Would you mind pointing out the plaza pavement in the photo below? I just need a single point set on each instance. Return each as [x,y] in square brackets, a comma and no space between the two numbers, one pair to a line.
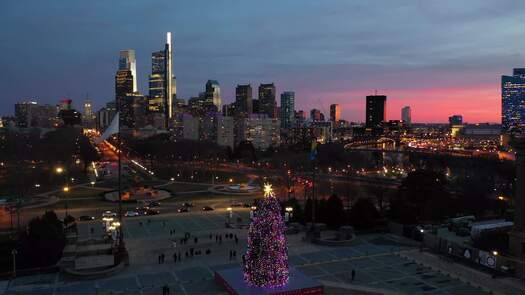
[375,258]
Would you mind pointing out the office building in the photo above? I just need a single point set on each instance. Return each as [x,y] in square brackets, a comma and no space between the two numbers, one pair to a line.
[406,115]
[267,104]
[375,110]
[455,120]
[261,131]
[123,87]
[316,115]
[127,61]
[212,96]
[30,114]
[225,134]
[23,113]
[105,116]
[243,100]
[287,109]
[513,100]
[162,82]
[190,127]
[335,113]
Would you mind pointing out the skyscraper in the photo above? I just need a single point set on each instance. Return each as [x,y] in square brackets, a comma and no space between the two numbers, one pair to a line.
[127,61]
[267,102]
[162,83]
[156,83]
[213,95]
[23,113]
[316,115]
[287,109]
[243,99]
[513,100]
[335,113]
[375,110]
[406,115]
[88,110]
[455,120]
[123,86]
[168,78]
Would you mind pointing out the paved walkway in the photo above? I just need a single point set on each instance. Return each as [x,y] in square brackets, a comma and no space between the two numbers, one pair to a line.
[376,258]
[506,286]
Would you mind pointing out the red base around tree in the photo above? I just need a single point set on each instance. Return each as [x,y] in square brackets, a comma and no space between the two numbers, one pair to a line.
[299,284]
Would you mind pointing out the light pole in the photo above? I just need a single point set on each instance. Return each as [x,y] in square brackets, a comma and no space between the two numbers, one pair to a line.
[288,214]
[65,189]
[14,252]
[230,214]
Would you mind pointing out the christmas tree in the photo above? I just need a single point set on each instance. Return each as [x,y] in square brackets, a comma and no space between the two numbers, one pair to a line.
[267,255]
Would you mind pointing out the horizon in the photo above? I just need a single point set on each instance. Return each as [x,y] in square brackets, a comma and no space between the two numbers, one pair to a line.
[438,63]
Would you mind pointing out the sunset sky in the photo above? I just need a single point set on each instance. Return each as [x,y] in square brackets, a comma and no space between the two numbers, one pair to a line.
[440,57]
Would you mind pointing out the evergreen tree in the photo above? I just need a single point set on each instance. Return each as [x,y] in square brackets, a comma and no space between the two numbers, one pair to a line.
[267,255]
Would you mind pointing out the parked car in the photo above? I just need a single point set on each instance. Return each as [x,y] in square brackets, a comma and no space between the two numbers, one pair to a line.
[131,214]
[152,212]
[142,210]
[187,205]
[109,214]
[183,209]
[207,208]
[237,204]
[152,204]
[86,218]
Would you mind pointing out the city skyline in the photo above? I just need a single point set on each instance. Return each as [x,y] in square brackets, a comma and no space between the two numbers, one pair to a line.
[451,73]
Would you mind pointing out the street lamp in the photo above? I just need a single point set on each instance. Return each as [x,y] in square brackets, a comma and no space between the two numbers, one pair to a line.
[14,252]
[230,214]
[65,189]
[59,170]
[288,214]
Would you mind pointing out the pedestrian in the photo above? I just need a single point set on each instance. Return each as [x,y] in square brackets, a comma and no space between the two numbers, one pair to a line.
[353,274]
[191,252]
[230,255]
[159,258]
[211,236]
[171,232]
[234,254]
[243,259]
[216,239]
[174,244]
[178,256]
[220,240]
[236,240]
[231,236]
[186,254]
[140,223]
[162,257]
[196,240]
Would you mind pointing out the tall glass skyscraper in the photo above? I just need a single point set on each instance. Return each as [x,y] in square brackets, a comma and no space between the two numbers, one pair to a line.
[127,61]
[513,100]
[212,95]
[287,109]
[243,99]
[162,83]
[375,110]
[267,104]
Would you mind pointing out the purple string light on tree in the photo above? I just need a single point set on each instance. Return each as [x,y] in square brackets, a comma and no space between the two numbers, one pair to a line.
[267,255]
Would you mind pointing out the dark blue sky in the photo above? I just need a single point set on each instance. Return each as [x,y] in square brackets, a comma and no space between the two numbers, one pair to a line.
[440,57]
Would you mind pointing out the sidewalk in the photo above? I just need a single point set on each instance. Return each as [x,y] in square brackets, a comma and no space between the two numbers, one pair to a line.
[504,286]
